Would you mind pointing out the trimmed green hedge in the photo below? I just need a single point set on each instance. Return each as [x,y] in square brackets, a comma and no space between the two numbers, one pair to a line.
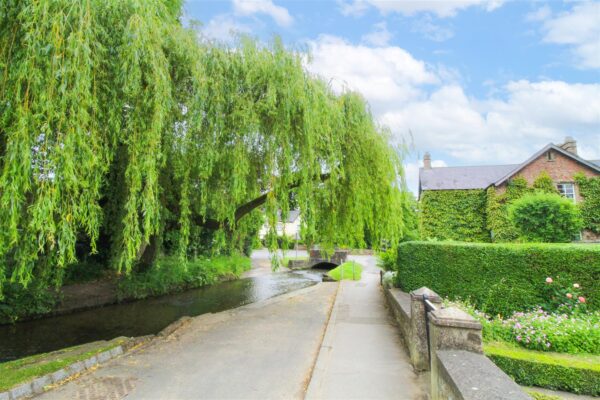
[454,215]
[498,278]
[577,374]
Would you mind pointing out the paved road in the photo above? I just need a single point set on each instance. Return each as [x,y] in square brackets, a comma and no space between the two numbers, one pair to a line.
[262,351]
[268,350]
[362,355]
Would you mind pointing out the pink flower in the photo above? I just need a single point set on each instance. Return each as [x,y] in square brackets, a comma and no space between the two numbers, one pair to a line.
[518,338]
[549,280]
[576,285]
[581,299]
[569,296]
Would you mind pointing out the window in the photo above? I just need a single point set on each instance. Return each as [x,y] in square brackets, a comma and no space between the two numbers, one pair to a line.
[567,190]
[550,155]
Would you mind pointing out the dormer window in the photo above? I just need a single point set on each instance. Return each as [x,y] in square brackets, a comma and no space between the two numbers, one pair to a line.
[549,155]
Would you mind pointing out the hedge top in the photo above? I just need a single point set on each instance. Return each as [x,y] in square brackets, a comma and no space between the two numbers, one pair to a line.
[499,278]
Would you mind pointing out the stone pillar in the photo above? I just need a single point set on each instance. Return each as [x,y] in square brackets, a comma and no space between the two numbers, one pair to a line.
[451,329]
[417,342]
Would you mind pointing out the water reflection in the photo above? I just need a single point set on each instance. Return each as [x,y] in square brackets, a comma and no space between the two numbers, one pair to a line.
[143,317]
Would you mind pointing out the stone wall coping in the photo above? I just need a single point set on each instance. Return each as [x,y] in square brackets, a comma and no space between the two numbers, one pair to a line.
[453,317]
[401,301]
[432,296]
[474,377]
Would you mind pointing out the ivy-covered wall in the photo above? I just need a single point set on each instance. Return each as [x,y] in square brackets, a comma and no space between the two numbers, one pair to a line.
[481,215]
[454,215]
[589,189]
[501,229]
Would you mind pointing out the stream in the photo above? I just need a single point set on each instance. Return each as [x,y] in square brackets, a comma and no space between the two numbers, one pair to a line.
[144,317]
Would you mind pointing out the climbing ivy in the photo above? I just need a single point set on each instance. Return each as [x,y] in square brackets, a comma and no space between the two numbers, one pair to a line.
[589,189]
[476,215]
[118,125]
[454,215]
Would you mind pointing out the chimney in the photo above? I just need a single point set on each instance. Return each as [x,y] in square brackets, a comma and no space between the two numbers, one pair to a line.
[427,160]
[570,145]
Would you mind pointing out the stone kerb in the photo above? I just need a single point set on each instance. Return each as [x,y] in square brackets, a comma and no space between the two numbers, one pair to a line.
[417,340]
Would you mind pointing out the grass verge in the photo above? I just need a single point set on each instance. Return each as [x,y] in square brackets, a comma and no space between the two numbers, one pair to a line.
[14,373]
[572,373]
[348,270]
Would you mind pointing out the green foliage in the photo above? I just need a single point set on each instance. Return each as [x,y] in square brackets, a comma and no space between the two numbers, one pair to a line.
[501,228]
[543,217]
[19,302]
[170,274]
[498,278]
[589,189]
[577,374]
[348,270]
[387,259]
[544,184]
[118,127]
[454,215]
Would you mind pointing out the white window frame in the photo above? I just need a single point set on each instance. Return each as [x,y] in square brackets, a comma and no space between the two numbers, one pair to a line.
[563,187]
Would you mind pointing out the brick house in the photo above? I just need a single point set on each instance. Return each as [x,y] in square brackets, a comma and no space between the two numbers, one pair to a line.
[560,162]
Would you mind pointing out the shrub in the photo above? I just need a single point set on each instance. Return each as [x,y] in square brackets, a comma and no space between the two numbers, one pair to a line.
[170,274]
[543,217]
[577,374]
[498,278]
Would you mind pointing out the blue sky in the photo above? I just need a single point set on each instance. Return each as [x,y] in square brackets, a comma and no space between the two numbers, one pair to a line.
[472,82]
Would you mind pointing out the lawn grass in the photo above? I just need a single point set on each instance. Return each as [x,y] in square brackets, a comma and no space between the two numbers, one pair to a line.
[583,361]
[575,373]
[14,373]
[349,270]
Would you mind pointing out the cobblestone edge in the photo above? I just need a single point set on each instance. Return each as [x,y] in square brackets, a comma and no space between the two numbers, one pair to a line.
[39,384]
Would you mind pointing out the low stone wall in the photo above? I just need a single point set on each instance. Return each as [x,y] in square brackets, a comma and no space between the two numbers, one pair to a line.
[459,370]
[463,375]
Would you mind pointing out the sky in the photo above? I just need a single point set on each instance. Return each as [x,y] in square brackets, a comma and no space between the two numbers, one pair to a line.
[471,82]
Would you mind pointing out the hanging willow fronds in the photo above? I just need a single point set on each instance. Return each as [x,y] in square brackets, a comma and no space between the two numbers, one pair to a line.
[113,116]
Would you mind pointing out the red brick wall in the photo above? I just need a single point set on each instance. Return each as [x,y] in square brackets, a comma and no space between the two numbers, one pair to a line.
[561,169]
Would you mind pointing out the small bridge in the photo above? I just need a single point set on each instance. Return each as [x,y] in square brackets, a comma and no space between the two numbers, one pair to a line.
[318,260]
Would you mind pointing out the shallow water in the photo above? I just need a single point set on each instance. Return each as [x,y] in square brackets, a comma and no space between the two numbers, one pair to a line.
[143,317]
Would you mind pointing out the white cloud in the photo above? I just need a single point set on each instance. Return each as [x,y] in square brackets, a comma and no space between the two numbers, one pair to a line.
[379,37]
[432,31]
[387,76]
[579,28]
[507,126]
[540,14]
[223,28]
[441,8]
[250,7]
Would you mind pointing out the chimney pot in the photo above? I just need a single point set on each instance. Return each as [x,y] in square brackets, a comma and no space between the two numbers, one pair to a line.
[570,145]
[427,160]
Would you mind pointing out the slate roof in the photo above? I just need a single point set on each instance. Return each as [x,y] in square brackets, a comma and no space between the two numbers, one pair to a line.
[473,177]
[483,176]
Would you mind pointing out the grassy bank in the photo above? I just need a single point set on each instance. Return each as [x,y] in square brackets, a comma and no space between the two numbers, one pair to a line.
[14,373]
[348,270]
[170,274]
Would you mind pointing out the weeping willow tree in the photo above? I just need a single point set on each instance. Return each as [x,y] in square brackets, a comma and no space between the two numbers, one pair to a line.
[118,124]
